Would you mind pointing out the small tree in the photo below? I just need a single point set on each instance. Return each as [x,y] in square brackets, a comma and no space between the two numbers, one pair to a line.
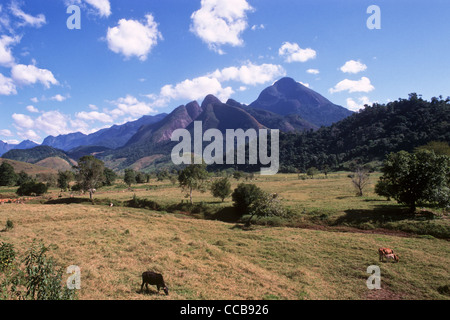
[8,176]
[360,180]
[130,177]
[267,205]
[110,177]
[64,179]
[312,172]
[221,188]
[90,174]
[23,177]
[193,177]
[244,196]
[32,188]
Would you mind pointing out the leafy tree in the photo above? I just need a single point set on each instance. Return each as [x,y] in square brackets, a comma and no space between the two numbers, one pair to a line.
[238,175]
[412,178]
[110,177]
[141,178]
[23,177]
[90,174]
[221,188]
[244,196]
[265,206]
[130,177]
[8,177]
[193,177]
[32,188]
[64,179]
[312,172]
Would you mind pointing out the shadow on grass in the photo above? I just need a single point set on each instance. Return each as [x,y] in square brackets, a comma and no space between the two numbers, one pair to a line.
[227,214]
[69,201]
[380,214]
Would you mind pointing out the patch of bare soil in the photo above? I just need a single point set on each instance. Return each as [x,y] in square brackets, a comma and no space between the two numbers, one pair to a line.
[383,294]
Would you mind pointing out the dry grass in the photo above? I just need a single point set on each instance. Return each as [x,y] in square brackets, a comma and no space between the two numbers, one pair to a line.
[213,260]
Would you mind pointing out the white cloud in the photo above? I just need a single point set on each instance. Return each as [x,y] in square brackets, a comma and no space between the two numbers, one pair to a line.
[293,53]
[35,100]
[6,57]
[29,135]
[256,27]
[313,71]
[305,84]
[58,98]
[351,86]
[27,19]
[356,106]
[221,22]
[196,89]
[53,123]
[131,106]
[23,121]
[30,74]
[7,86]
[5,133]
[353,66]
[103,7]
[93,107]
[94,116]
[250,74]
[32,109]
[133,38]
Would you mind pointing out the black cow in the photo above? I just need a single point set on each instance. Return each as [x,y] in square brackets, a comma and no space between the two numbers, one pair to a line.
[154,279]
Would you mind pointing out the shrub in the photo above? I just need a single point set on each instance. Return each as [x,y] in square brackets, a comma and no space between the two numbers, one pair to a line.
[9,225]
[41,278]
[7,255]
[32,188]
[244,196]
[221,189]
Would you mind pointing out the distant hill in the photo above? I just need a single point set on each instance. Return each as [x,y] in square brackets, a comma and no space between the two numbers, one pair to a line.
[30,169]
[38,155]
[5,147]
[288,97]
[113,137]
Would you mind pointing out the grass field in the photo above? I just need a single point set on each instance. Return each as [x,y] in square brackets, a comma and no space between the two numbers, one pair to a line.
[205,259]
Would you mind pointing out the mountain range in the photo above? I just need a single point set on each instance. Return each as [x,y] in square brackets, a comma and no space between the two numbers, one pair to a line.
[287,105]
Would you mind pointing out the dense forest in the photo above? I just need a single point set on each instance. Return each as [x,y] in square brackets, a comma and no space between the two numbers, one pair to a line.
[368,135]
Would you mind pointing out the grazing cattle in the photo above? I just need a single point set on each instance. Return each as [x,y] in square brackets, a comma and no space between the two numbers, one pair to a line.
[392,257]
[154,279]
[383,252]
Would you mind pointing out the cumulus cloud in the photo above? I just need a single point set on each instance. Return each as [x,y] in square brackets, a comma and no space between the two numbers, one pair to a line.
[293,53]
[353,66]
[7,86]
[133,38]
[32,109]
[27,75]
[29,135]
[94,116]
[196,89]
[131,106]
[27,19]
[101,7]
[23,121]
[313,71]
[363,85]
[6,133]
[221,22]
[6,57]
[358,105]
[58,98]
[250,74]
[214,83]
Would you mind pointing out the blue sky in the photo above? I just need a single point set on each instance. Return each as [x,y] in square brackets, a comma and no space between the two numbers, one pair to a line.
[132,58]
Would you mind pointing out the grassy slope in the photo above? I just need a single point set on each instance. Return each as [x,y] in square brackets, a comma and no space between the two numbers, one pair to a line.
[29,168]
[214,260]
